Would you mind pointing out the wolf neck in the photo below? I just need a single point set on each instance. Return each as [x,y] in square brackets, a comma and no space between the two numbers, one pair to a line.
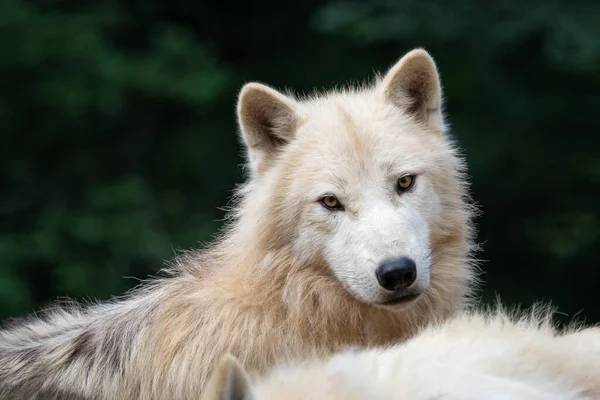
[305,297]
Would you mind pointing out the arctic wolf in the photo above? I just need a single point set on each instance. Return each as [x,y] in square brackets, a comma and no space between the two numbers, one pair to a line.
[353,228]
[471,357]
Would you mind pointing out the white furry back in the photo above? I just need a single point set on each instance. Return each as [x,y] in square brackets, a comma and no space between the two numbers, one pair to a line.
[474,356]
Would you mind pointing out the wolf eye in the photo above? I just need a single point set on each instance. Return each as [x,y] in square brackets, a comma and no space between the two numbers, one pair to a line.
[406,183]
[331,202]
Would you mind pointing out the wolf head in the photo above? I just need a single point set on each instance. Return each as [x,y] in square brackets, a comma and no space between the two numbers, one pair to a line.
[365,181]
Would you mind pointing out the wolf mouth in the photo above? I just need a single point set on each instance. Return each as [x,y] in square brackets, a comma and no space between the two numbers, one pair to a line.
[401,299]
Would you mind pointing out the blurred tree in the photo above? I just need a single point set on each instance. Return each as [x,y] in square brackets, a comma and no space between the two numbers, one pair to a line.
[119,133]
[95,112]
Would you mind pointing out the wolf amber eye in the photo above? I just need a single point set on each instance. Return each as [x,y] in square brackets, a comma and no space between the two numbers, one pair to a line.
[406,182]
[331,202]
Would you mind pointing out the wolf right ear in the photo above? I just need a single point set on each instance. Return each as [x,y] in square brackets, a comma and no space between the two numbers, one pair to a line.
[267,120]
[413,85]
[228,381]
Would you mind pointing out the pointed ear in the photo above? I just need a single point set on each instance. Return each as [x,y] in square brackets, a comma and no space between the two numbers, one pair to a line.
[413,85]
[268,122]
[228,381]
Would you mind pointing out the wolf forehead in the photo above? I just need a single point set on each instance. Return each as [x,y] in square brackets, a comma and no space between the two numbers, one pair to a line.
[360,126]
[354,146]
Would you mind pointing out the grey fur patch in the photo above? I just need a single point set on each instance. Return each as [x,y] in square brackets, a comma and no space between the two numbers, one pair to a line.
[81,347]
[28,393]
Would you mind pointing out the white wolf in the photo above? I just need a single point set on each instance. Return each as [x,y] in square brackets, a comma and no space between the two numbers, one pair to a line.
[471,357]
[354,228]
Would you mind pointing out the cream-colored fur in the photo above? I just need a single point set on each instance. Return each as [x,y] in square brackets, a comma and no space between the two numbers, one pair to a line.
[471,357]
[287,278]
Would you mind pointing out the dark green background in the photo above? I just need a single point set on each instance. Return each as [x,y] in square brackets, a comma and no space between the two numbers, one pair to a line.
[119,135]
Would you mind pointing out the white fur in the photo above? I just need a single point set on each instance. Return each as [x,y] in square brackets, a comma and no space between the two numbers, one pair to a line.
[473,356]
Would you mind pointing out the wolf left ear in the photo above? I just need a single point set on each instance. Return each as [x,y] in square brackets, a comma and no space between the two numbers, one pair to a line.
[413,85]
[268,121]
[228,381]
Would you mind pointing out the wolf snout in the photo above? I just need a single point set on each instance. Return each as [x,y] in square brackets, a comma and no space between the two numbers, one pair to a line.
[397,274]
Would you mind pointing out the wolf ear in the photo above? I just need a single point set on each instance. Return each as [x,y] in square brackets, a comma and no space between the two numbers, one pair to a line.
[228,381]
[267,120]
[413,85]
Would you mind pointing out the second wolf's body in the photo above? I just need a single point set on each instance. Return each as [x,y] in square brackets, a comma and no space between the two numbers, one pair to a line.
[473,356]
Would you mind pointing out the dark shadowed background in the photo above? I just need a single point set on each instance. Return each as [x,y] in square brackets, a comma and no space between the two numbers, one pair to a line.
[118,132]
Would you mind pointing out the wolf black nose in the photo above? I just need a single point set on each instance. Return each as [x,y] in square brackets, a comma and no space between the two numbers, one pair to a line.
[397,274]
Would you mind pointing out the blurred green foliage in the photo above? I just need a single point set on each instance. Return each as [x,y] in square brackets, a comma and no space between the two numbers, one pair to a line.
[119,134]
